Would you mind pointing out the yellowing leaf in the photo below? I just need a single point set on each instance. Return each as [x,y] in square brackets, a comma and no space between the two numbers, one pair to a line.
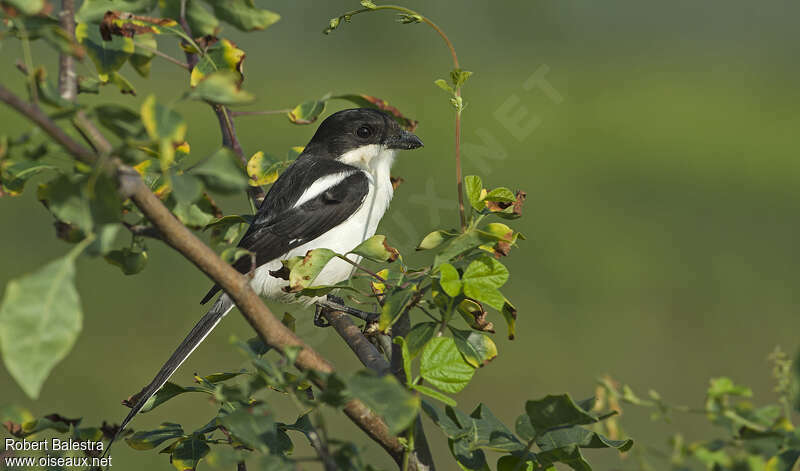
[261,170]
[108,56]
[307,112]
[162,123]
[224,55]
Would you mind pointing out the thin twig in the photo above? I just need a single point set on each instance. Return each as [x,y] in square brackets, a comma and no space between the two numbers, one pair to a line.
[235,113]
[365,270]
[162,55]
[226,126]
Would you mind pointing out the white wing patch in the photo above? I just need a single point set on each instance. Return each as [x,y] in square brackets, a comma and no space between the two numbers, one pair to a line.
[322,185]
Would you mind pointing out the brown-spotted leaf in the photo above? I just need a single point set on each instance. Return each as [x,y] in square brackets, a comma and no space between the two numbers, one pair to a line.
[118,23]
[377,249]
[475,315]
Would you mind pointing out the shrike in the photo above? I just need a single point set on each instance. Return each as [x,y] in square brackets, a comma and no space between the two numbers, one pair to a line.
[332,196]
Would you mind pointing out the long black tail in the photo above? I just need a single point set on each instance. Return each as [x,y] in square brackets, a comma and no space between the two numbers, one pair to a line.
[196,336]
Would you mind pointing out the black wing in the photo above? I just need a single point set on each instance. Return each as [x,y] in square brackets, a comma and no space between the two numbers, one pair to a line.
[280,227]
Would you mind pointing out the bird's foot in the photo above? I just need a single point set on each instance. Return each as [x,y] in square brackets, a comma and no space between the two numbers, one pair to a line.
[336,303]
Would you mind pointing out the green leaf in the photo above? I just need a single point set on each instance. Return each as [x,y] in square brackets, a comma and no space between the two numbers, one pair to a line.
[491,434]
[473,186]
[503,195]
[92,11]
[478,349]
[387,397]
[120,120]
[130,261]
[264,169]
[27,7]
[784,461]
[406,358]
[143,56]
[458,245]
[221,172]
[458,77]
[570,456]
[306,112]
[222,87]
[394,305]
[515,463]
[450,280]
[243,14]
[223,55]
[108,56]
[167,392]
[147,440]
[556,411]
[253,426]
[376,249]
[482,278]
[201,21]
[67,201]
[581,437]
[192,215]
[40,319]
[303,270]
[442,83]
[188,453]
[419,336]
[161,122]
[510,315]
[434,394]
[124,85]
[443,366]
[88,85]
[186,188]
[15,176]
[723,386]
[433,240]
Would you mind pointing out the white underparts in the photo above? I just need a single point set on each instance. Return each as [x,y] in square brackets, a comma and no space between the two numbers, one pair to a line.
[376,162]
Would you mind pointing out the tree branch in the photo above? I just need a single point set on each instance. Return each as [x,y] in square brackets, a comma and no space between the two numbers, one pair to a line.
[237,286]
[67,79]
[358,343]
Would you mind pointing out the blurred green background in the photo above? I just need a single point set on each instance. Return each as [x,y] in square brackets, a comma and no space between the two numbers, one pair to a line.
[661,222]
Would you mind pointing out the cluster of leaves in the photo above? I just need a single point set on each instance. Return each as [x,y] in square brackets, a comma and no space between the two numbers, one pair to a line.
[245,426]
[754,438]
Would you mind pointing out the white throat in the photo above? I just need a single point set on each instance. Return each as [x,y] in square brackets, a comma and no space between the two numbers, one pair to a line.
[373,158]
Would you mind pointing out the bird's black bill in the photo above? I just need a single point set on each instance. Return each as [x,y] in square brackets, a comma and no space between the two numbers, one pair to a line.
[405,141]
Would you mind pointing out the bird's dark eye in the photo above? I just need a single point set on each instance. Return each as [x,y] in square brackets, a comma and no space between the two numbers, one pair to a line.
[363,132]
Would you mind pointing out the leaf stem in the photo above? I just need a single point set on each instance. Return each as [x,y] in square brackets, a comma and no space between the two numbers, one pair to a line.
[365,270]
[162,55]
[258,113]
[457,92]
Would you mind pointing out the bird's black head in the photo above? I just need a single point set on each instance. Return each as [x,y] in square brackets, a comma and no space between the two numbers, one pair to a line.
[357,128]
